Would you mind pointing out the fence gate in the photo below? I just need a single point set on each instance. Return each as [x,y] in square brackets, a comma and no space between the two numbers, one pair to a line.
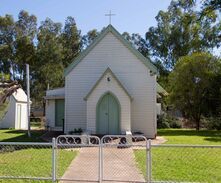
[85,152]
[120,158]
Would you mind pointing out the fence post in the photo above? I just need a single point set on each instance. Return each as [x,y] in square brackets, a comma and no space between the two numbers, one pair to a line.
[100,163]
[53,160]
[148,161]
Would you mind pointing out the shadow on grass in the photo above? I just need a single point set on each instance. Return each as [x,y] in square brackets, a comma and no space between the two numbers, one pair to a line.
[21,136]
[210,135]
[213,139]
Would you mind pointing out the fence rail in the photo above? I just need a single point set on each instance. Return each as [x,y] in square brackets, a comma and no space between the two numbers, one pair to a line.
[113,158]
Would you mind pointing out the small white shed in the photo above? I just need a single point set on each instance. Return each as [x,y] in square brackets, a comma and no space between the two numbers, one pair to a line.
[16,115]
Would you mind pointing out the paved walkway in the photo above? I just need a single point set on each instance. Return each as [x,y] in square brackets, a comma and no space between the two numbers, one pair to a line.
[118,165]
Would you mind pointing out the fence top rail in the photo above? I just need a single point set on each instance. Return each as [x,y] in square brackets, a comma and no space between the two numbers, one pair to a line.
[124,140]
[27,143]
[78,140]
[77,145]
[186,145]
[119,136]
[124,145]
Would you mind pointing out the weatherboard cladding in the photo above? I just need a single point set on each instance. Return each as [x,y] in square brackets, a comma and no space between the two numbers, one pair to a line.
[50,112]
[111,29]
[108,70]
[133,74]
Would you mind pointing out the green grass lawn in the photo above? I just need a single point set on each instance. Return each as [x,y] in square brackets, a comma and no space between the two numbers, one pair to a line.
[185,164]
[20,136]
[33,162]
[30,161]
[187,136]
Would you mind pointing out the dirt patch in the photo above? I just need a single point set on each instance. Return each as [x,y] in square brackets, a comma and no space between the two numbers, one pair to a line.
[158,140]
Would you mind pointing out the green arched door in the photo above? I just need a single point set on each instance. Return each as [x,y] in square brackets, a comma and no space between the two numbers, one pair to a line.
[108,110]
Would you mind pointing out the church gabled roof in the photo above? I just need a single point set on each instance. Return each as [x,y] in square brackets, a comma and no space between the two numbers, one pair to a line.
[111,29]
[108,70]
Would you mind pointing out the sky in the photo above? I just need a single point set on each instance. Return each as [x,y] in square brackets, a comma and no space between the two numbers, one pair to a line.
[133,16]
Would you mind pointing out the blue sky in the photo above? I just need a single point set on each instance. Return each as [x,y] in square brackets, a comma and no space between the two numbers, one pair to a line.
[133,16]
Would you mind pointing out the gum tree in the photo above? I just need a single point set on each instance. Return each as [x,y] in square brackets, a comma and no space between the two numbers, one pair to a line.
[193,86]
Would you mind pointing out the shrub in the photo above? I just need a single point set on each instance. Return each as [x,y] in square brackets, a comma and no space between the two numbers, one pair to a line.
[212,123]
[161,122]
[76,131]
[168,121]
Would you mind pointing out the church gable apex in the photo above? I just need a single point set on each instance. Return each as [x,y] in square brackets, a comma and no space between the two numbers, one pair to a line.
[111,29]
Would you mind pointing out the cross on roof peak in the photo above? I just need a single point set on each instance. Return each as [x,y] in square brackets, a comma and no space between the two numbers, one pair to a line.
[110,15]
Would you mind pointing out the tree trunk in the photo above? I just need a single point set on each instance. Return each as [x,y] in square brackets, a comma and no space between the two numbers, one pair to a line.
[197,124]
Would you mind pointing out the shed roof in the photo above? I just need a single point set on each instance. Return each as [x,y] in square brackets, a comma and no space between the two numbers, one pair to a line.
[58,93]
[111,29]
[20,95]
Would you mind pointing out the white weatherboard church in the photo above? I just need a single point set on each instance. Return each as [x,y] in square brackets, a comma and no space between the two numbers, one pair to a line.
[109,89]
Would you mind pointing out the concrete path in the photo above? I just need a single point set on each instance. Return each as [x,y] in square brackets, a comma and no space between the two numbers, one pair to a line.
[118,166]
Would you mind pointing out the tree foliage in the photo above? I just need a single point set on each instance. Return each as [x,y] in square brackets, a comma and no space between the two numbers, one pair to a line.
[48,66]
[180,32]
[90,37]
[7,34]
[195,86]
[137,42]
[48,49]
[209,6]
[25,31]
[71,41]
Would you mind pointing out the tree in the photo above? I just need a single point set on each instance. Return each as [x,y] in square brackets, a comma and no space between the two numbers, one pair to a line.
[192,85]
[180,32]
[71,40]
[7,51]
[137,42]
[163,74]
[48,49]
[89,37]
[26,29]
[7,88]
[48,64]
[209,6]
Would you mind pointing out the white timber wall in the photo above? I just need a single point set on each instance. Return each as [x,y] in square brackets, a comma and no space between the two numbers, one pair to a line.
[158,108]
[50,113]
[11,118]
[24,119]
[114,88]
[134,75]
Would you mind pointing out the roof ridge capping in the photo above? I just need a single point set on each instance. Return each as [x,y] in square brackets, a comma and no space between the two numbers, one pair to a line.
[153,69]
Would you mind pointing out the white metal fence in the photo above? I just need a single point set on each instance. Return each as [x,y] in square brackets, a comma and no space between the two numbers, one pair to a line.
[112,158]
